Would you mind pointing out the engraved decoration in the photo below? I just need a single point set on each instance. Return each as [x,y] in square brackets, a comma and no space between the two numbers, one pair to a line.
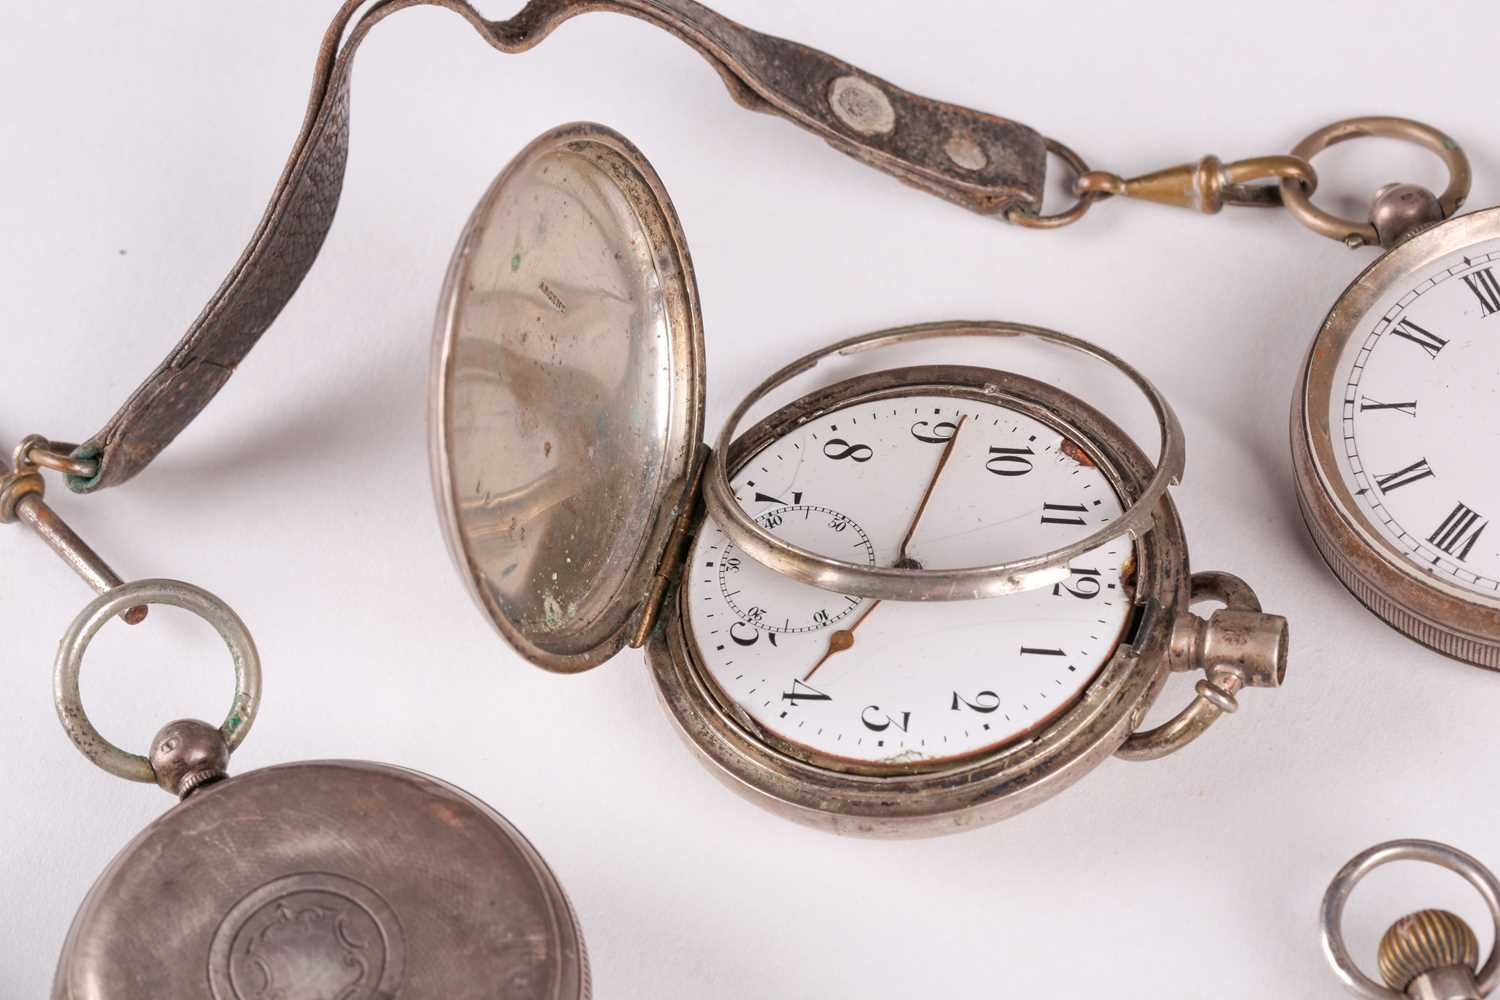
[309,936]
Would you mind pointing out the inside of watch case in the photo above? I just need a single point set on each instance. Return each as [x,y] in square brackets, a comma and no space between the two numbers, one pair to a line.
[567,397]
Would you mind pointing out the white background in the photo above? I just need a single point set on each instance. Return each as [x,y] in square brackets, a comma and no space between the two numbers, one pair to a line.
[140,142]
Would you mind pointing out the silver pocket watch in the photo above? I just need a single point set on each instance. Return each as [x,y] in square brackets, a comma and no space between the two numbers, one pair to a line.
[1394,419]
[302,881]
[843,608]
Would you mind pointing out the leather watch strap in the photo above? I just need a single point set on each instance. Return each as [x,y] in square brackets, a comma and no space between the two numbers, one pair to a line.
[985,163]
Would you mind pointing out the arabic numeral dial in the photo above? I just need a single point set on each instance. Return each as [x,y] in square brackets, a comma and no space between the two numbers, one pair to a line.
[916,480]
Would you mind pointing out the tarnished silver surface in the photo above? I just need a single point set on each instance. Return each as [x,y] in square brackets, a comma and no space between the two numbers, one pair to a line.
[1236,647]
[1297,197]
[567,400]
[1434,983]
[1454,622]
[90,620]
[900,584]
[1400,211]
[310,881]
[318,880]
[188,754]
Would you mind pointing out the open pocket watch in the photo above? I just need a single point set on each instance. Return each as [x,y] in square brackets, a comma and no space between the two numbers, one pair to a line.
[843,608]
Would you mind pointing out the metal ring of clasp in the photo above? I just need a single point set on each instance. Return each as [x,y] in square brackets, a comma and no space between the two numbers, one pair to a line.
[1298,200]
[15,485]
[39,452]
[23,479]
[109,604]
[1332,916]
[898,584]
[1070,215]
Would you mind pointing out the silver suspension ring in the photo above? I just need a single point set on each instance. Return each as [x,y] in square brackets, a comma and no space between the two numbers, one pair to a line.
[1362,864]
[91,619]
[896,584]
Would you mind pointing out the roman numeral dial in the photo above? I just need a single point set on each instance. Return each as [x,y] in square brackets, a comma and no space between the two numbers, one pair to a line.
[1414,421]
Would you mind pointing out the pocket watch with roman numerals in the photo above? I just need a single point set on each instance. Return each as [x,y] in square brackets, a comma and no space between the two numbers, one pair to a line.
[1396,419]
[908,602]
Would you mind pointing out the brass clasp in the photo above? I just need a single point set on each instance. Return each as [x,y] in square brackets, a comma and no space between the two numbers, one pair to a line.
[39,451]
[22,493]
[1207,185]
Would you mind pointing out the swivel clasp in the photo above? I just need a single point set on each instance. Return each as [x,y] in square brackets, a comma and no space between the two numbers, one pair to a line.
[1207,185]
[22,493]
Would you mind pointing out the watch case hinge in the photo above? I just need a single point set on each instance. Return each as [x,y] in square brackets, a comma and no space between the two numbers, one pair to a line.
[669,570]
[1142,617]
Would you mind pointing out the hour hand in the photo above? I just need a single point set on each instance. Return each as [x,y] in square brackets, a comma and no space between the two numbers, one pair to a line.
[840,640]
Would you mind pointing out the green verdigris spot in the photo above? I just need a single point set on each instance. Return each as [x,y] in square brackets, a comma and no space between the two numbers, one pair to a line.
[515,263]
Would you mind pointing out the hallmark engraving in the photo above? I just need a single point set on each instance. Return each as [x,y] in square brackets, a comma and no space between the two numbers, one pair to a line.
[309,936]
[552,297]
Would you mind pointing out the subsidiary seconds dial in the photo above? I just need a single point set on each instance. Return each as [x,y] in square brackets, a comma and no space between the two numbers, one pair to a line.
[756,594]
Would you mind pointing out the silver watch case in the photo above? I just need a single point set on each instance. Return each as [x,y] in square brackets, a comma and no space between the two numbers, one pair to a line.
[326,879]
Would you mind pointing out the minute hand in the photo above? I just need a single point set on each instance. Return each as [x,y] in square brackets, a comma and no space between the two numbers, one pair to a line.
[901,556]
[844,638]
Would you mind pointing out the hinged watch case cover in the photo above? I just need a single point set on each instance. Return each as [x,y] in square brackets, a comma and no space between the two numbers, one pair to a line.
[568,396]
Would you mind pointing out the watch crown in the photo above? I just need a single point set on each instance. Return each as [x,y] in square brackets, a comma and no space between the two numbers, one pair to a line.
[1423,942]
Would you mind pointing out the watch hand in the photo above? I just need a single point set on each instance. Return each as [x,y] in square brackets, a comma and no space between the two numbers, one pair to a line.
[844,638]
[901,556]
[840,641]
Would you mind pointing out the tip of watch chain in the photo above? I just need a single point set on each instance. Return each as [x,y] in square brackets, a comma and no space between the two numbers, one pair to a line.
[1422,942]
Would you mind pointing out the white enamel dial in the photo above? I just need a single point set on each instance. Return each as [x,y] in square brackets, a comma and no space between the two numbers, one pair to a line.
[896,684]
[751,590]
[1415,413]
